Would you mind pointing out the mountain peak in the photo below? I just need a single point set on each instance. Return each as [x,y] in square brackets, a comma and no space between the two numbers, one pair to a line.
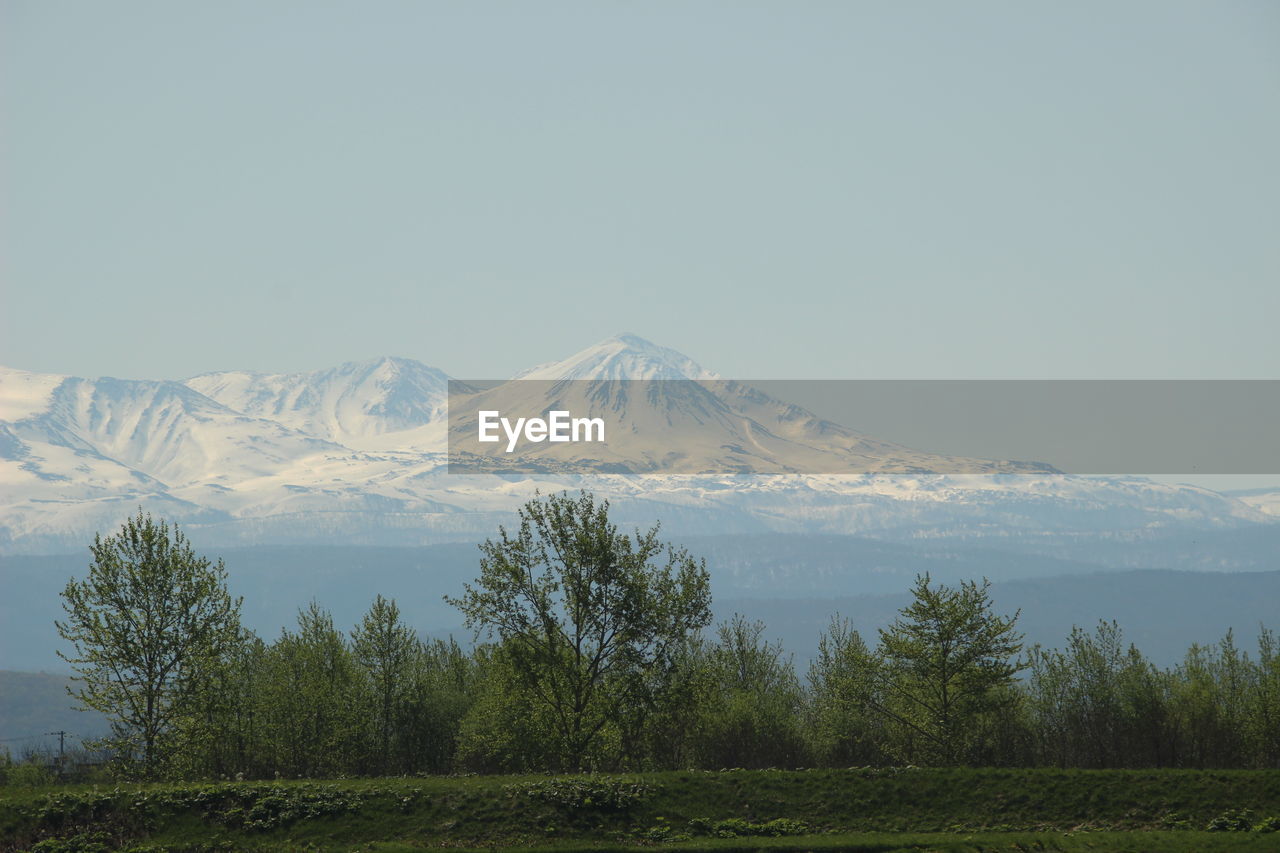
[352,403]
[384,367]
[396,362]
[622,356]
[629,339]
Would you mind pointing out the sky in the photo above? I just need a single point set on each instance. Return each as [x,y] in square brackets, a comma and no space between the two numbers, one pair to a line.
[779,190]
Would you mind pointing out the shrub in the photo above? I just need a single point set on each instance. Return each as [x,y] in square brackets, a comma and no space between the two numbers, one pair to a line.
[1232,820]
[611,794]
[28,774]
[736,827]
[88,842]
[1267,824]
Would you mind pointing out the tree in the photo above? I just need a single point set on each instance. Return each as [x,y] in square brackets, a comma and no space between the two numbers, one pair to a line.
[147,623]
[843,689]
[1096,704]
[946,658]
[750,718]
[584,615]
[215,736]
[385,648]
[505,729]
[311,704]
[442,683]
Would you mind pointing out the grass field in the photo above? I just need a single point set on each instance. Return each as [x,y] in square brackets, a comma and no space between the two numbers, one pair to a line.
[856,809]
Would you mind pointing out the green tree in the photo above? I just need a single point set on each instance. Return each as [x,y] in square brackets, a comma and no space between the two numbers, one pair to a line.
[1264,703]
[750,718]
[843,689]
[312,690]
[946,659]
[507,728]
[668,737]
[1211,695]
[441,686]
[215,736]
[1098,704]
[145,626]
[584,614]
[385,648]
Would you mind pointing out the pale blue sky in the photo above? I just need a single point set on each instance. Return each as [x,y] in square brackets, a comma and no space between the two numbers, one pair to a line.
[788,189]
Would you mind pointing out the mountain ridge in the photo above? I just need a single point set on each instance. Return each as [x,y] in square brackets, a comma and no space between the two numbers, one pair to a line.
[357,452]
[346,404]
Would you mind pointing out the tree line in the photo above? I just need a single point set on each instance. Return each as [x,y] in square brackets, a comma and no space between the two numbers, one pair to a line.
[595,651]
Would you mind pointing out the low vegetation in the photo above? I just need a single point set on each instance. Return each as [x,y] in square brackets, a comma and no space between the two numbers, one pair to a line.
[878,808]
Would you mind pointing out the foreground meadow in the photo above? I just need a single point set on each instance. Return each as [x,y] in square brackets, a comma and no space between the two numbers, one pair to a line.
[854,809]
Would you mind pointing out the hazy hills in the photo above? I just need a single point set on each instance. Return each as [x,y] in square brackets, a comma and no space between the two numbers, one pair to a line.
[35,705]
[1186,583]
[1161,611]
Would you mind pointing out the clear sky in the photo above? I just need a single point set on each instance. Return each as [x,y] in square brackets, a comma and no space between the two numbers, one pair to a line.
[785,189]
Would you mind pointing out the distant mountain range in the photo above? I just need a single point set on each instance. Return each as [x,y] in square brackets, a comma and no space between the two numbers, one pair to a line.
[332,485]
[356,454]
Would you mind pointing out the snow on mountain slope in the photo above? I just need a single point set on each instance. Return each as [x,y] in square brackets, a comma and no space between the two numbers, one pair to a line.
[23,394]
[688,422]
[355,454]
[623,356]
[1264,500]
[161,430]
[354,404]
[42,470]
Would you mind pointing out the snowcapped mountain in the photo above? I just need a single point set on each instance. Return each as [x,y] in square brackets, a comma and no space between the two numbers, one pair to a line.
[1264,500]
[352,404]
[708,426]
[163,430]
[623,356]
[356,454]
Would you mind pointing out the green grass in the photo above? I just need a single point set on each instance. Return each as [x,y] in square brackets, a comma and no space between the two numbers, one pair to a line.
[904,809]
